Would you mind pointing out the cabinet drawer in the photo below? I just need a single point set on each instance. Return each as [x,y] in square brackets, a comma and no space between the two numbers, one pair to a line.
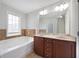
[48,40]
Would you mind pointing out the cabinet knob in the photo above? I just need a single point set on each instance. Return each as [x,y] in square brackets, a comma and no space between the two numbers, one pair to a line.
[47,45]
[48,40]
[47,49]
[47,55]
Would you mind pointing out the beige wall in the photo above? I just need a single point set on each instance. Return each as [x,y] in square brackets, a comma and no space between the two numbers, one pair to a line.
[73,27]
[33,20]
[4,10]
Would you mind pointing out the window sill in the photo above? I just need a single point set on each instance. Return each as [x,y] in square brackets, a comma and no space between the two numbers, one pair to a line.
[13,34]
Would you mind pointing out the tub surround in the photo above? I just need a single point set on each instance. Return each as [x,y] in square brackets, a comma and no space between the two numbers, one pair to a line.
[14,36]
[28,32]
[2,34]
[24,32]
[31,32]
[55,46]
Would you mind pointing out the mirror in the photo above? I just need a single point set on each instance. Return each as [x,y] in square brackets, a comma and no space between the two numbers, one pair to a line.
[52,18]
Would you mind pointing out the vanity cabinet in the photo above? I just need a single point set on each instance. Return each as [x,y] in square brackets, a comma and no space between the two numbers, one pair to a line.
[49,48]
[65,49]
[54,48]
[39,45]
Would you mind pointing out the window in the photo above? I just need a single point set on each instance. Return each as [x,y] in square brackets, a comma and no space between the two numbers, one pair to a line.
[14,26]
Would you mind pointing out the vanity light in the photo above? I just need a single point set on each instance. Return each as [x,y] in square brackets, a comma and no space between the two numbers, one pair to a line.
[57,8]
[41,12]
[66,6]
[60,16]
[61,7]
[44,12]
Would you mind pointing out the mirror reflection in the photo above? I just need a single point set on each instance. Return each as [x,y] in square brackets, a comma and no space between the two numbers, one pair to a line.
[52,19]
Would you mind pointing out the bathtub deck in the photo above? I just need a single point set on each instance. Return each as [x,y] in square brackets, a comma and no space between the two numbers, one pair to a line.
[16,47]
[33,55]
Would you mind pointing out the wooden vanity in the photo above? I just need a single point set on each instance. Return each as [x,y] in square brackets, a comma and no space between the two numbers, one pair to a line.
[52,47]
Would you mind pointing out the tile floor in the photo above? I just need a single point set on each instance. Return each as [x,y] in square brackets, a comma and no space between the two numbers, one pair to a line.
[33,55]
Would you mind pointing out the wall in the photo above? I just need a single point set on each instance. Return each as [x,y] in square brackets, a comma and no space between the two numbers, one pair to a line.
[74,18]
[4,10]
[33,20]
[67,21]
[74,22]
[78,36]
[2,24]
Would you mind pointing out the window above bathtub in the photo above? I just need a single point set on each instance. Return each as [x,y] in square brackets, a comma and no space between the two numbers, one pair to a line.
[14,25]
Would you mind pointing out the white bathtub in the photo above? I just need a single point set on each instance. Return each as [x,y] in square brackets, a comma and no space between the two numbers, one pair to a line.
[16,47]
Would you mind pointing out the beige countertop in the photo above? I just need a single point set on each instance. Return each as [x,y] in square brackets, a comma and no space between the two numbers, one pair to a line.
[60,37]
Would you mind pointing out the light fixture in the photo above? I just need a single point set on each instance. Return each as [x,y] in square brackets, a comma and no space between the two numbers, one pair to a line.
[60,16]
[61,7]
[57,8]
[41,13]
[44,12]
[66,6]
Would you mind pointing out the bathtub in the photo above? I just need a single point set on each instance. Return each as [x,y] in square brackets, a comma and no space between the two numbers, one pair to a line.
[17,47]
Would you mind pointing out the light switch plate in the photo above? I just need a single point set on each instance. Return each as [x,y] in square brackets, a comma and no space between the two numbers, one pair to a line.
[78,33]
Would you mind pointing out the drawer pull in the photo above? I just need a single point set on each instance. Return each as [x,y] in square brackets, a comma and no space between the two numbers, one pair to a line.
[47,55]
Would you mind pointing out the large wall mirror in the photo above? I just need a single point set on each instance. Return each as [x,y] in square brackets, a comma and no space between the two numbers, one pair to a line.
[53,18]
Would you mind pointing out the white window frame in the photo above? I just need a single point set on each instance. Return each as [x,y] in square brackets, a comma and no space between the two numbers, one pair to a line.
[14,33]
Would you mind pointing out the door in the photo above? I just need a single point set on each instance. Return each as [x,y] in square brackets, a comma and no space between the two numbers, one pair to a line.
[64,49]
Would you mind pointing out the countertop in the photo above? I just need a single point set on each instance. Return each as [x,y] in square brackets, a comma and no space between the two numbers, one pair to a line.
[59,37]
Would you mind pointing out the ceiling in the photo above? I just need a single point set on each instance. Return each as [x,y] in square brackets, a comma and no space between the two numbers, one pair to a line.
[27,6]
[52,13]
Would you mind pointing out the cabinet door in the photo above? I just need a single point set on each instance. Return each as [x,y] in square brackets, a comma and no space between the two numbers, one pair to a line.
[63,49]
[48,48]
[73,49]
[38,45]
